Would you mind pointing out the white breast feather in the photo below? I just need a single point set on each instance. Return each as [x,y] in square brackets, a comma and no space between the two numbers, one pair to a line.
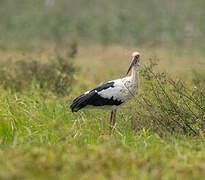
[118,92]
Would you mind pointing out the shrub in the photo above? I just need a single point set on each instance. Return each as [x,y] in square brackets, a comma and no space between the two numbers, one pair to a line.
[167,105]
[198,78]
[55,75]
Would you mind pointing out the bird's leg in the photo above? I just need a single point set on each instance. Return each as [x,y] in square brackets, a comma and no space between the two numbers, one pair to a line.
[111,118]
[114,118]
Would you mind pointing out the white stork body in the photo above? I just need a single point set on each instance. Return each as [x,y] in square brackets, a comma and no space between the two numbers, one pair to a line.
[112,94]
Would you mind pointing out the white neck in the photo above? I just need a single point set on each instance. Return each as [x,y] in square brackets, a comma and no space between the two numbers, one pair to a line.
[135,76]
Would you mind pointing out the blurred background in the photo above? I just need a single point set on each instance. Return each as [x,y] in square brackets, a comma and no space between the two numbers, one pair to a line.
[29,23]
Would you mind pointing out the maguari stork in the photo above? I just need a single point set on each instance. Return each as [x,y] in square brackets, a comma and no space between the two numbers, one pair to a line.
[112,94]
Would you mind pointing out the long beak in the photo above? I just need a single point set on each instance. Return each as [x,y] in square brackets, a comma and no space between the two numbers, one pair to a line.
[131,65]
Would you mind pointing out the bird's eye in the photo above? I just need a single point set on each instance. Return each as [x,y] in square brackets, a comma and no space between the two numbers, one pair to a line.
[137,56]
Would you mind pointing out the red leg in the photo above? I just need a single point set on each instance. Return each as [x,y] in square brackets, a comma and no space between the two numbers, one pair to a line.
[111,118]
[114,118]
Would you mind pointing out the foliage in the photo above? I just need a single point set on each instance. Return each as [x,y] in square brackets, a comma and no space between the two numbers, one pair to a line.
[40,139]
[198,79]
[55,75]
[167,105]
[158,135]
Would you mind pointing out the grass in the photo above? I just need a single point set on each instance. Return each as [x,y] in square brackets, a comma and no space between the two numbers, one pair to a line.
[45,140]
[106,157]
[41,139]
[39,136]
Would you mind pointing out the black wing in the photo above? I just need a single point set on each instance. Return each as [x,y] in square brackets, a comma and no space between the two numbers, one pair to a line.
[94,99]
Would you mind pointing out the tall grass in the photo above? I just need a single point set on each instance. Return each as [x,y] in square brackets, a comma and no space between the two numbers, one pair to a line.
[41,138]
[158,135]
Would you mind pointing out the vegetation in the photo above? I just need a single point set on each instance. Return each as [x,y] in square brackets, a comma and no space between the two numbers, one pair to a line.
[55,75]
[41,138]
[52,51]
[170,104]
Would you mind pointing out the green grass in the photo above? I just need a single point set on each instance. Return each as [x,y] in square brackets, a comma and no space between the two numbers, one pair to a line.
[40,138]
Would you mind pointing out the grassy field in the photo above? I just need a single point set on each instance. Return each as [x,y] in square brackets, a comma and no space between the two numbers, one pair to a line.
[52,51]
[41,139]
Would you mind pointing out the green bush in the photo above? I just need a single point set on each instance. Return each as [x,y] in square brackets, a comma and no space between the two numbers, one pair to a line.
[55,76]
[167,105]
[198,79]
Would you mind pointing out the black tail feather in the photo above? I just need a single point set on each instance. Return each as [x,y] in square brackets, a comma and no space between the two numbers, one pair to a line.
[80,102]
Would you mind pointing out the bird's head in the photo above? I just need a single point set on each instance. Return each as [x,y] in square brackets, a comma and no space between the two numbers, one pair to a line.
[135,60]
